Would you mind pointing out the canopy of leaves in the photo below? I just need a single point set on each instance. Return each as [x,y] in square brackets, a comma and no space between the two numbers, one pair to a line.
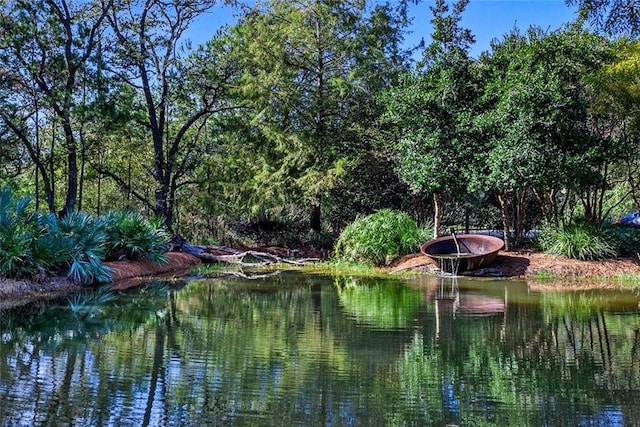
[431,109]
[614,17]
[536,110]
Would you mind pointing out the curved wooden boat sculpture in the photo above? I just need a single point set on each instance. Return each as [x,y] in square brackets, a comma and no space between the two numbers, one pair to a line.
[462,252]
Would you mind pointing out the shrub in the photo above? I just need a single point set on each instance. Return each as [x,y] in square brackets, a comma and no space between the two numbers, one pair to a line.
[379,238]
[131,235]
[49,250]
[25,247]
[15,236]
[85,239]
[626,240]
[34,244]
[579,241]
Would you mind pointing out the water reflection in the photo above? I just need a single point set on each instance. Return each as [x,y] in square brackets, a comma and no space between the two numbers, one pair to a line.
[295,349]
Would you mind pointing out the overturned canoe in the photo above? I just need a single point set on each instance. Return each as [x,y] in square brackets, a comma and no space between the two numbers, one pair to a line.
[462,252]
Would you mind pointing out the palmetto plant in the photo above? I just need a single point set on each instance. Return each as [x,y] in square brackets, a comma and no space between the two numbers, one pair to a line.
[26,248]
[85,240]
[50,253]
[132,235]
[15,236]
[32,244]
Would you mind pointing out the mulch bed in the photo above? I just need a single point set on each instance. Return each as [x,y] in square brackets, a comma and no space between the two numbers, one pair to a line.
[527,265]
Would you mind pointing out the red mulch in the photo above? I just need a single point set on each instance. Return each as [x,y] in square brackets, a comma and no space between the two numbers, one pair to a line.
[125,274]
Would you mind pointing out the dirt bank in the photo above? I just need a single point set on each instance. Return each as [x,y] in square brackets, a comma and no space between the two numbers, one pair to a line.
[528,265]
[125,274]
[524,265]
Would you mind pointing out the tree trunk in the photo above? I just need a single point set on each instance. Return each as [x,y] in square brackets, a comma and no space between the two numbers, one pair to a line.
[72,169]
[505,220]
[51,196]
[83,162]
[467,220]
[314,218]
[520,216]
[436,215]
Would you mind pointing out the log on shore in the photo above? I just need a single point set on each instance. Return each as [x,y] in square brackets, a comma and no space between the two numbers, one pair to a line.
[211,253]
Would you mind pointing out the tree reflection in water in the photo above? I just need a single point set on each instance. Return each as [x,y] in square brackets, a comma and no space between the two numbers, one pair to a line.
[297,349]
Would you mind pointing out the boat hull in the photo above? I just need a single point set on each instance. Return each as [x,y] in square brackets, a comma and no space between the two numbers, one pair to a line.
[475,250]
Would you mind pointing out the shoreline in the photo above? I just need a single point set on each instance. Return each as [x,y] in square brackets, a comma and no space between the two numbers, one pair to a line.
[126,274]
[545,272]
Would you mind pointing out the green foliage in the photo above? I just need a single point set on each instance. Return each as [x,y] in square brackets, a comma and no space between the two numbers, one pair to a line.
[431,109]
[613,17]
[310,116]
[379,238]
[626,240]
[537,122]
[14,235]
[85,239]
[132,235]
[49,251]
[35,244]
[89,304]
[580,306]
[26,247]
[579,241]
[380,305]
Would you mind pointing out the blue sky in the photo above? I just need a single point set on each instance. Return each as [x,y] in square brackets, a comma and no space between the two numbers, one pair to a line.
[487,19]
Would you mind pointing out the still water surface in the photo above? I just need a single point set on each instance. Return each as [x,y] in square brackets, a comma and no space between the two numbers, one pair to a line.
[311,350]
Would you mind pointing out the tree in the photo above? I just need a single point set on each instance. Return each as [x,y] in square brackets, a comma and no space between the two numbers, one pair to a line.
[537,123]
[431,111]
[617,103]
[305,77]
[614,17]
[176,95]
[46,45]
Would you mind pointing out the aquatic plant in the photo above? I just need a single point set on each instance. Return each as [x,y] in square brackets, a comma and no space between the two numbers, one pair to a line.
[379,238]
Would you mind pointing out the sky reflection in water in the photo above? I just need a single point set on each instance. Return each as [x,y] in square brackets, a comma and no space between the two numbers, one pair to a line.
[308,350]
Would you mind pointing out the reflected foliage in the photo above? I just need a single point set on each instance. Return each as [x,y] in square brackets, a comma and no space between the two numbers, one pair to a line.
[299,349]
[380,305]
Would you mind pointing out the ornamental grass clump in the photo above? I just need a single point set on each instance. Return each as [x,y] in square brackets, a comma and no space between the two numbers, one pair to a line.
[379,238]
[578,241]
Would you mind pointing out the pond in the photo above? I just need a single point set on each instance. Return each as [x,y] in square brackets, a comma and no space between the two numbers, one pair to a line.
[299,349]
